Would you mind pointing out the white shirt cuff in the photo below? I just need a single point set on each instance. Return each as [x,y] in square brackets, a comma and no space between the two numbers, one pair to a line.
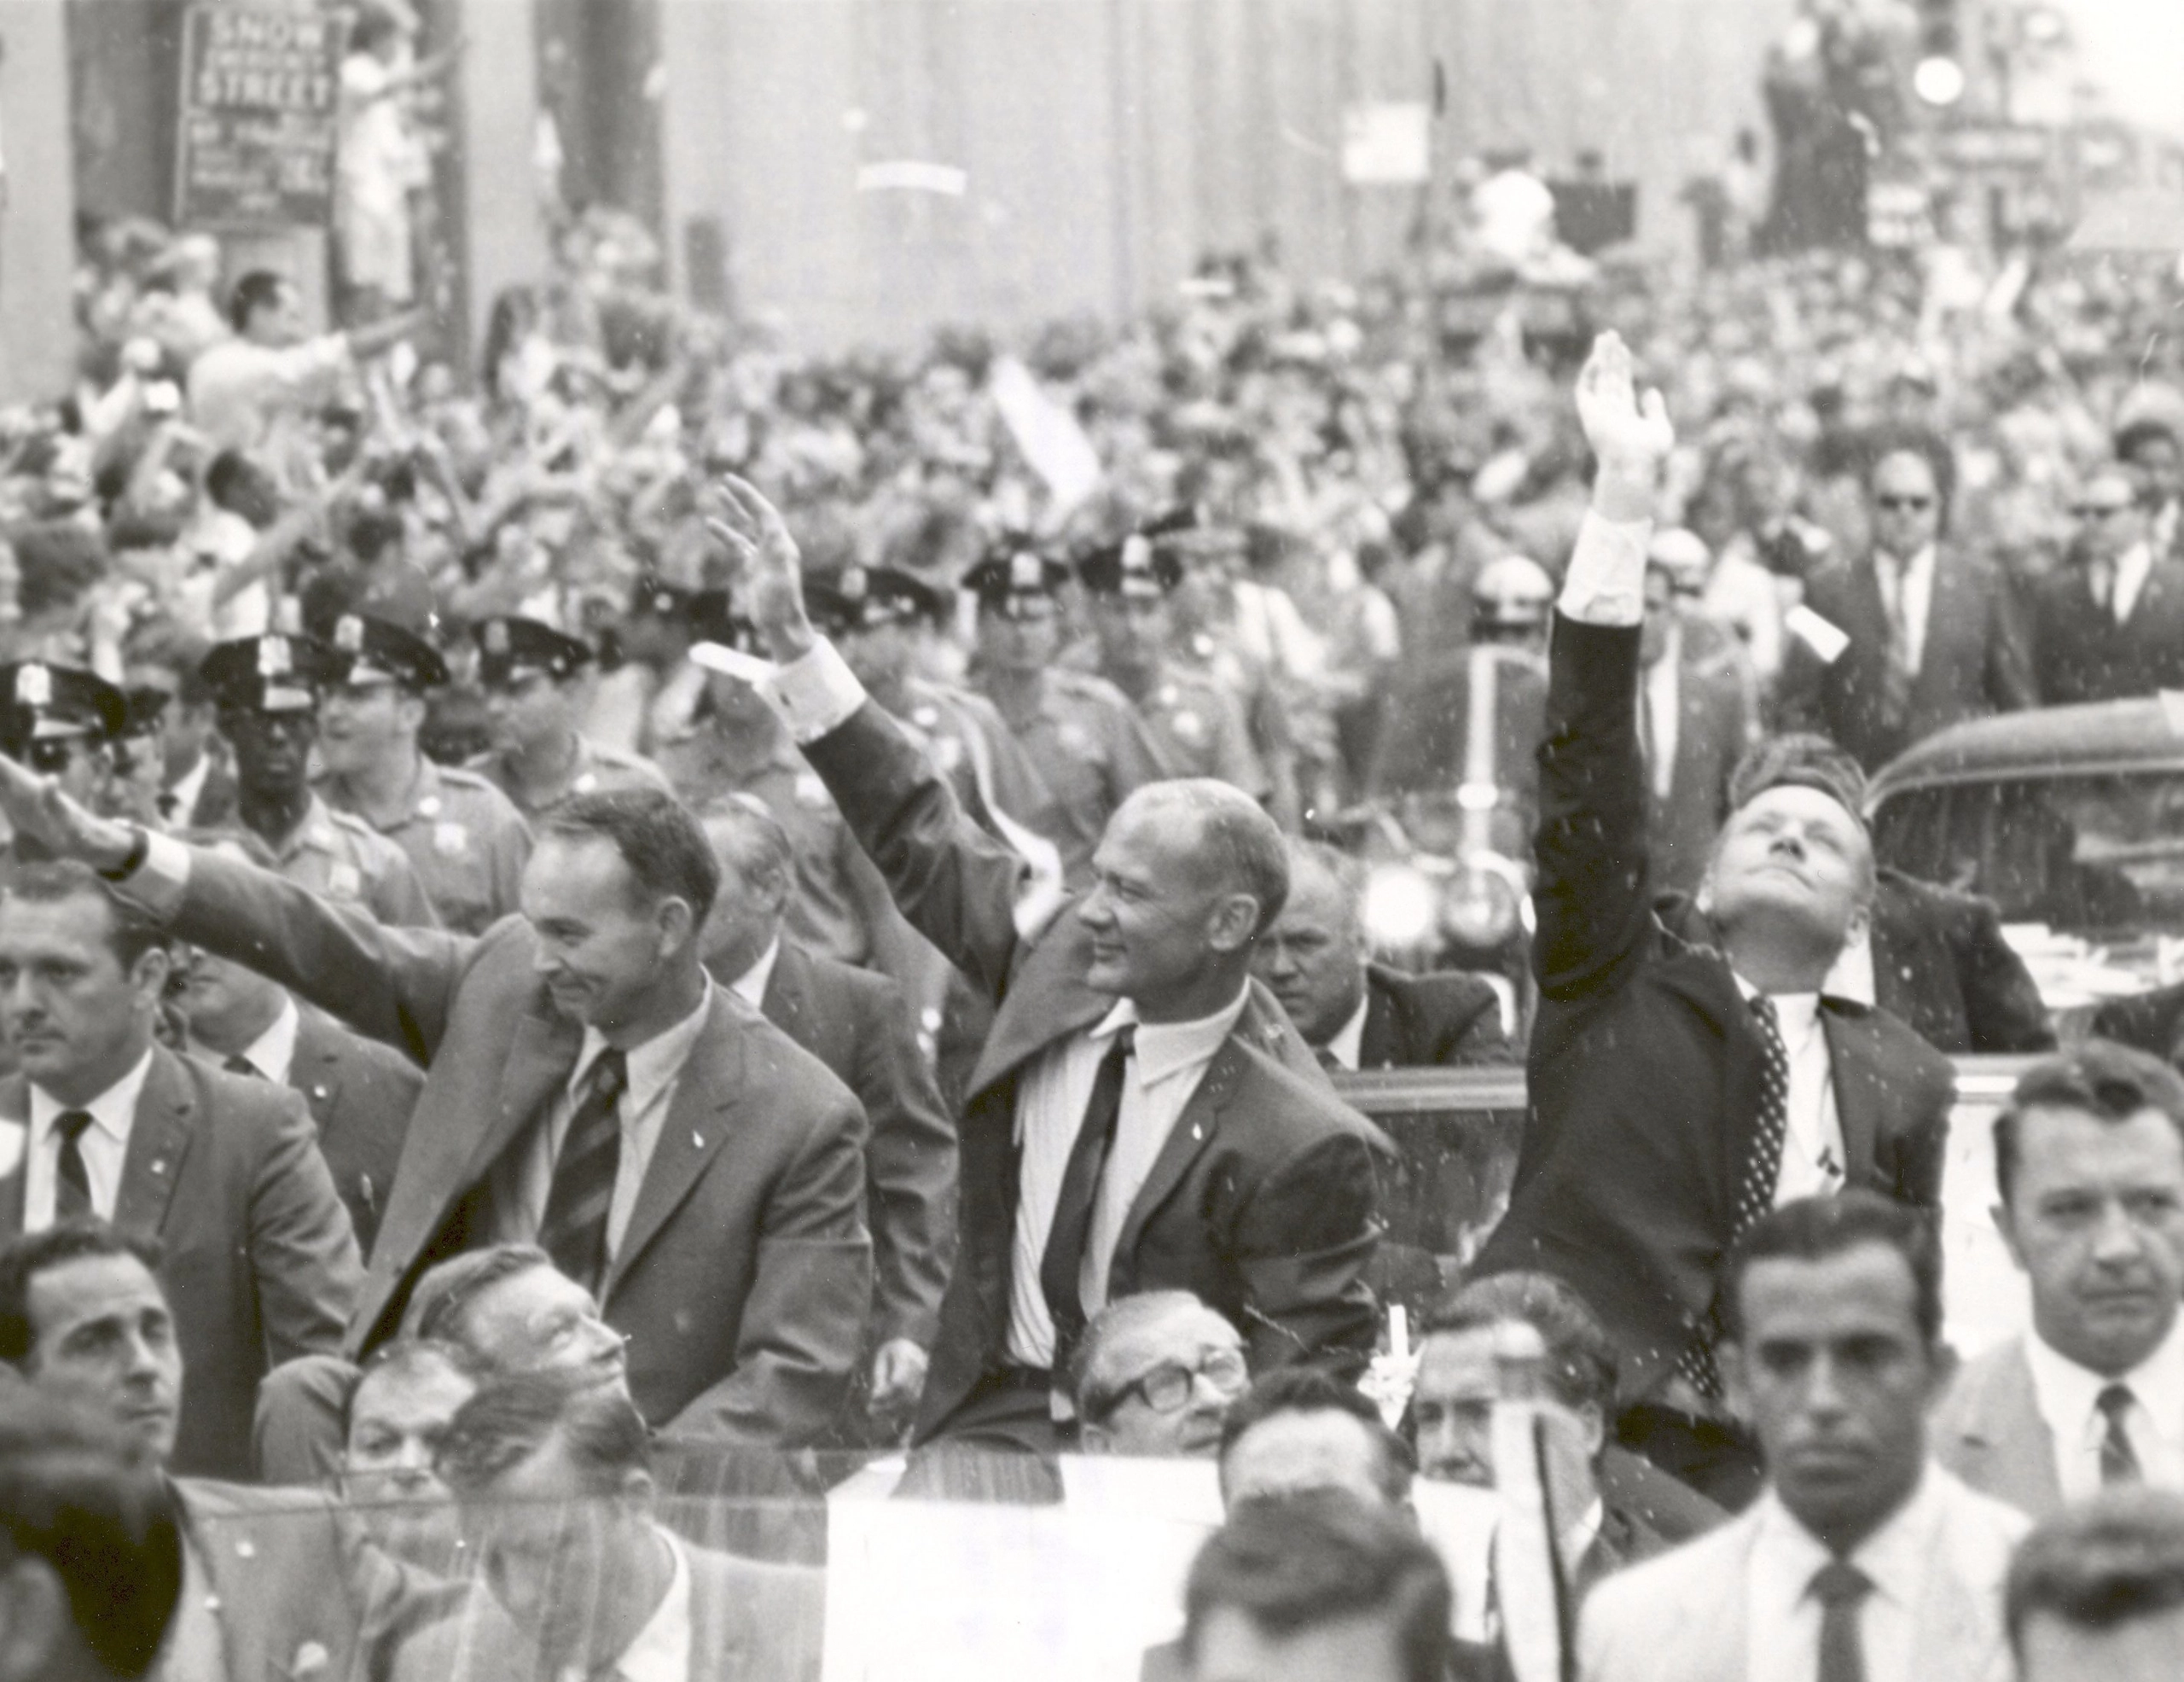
[159,884]
[816,692]
[1606,583]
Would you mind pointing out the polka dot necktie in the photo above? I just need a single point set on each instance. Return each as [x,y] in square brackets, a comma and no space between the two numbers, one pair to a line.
[1763,1164]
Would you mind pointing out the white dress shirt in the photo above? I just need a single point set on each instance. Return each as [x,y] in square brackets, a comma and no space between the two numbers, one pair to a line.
[1661,690]
[1782,1615]
[2065,1394]
[2131,569]
[660,1651]
[104,1146]
[1347,1048]
[751,985]
[272,1052]
[1158,1082]
[1813,1158]
[526,1177]
[1906,589]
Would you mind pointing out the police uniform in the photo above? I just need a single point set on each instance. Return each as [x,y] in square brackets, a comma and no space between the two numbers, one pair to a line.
[1198,725]
[468,842]
[1089,745]
[333,854]
[511,649]
[50,713]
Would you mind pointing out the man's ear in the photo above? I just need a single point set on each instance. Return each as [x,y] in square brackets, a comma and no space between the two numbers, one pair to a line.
[676,921]
[1234,923]
[636,1488]
[147,976]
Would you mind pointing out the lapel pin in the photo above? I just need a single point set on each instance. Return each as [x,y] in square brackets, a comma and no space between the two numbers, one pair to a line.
[1198,1131]
[160,1167]
[246,1548]
[698,1140]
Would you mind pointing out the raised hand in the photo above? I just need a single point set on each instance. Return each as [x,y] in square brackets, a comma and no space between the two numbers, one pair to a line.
[35,806]
[772,575]
[1631,435]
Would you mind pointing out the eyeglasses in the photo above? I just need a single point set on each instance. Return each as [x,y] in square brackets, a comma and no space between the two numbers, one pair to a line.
[1904,505]
[1167,1387]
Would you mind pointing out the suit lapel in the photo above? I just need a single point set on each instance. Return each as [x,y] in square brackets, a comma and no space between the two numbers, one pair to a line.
[15,1181]
[158,1140]
[1376,1045]
[2005,1434]
[227,1550]
[1951,618]
[1047,1000]
[699,1123]
[315,1070]
[543,1057]
[1192,1131]
[1854,1061]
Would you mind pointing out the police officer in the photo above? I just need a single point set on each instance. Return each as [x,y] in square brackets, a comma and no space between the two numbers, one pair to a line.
[536,683]
[267,691]
[1198,725]
[1087,741]
[62,722]
[468,842]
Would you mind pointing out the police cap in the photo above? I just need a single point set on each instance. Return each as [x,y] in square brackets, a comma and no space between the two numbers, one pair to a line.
[369,651]
[1136,567]
[510,647]
[858,599]
[1015,580]
[42,702]
[271,673]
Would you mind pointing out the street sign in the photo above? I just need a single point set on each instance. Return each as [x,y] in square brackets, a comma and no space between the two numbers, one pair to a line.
[261,88]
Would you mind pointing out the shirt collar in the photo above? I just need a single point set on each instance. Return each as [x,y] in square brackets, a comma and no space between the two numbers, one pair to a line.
[652,1067]
[114,1112]
[661,1651]
[1166,1048]
[273,1053]
[1795,1011]
[1348,1045]
[1894,1558]
[2066,1392]
[751,985]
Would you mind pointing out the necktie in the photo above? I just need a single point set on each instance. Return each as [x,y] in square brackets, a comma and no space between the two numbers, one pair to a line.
[2101,581]
[2119,1461]
[1841,1589]
[239,1064]
[72,1190]
[1896,669]
[574,1230]
[1061,1266]
[1328,1061]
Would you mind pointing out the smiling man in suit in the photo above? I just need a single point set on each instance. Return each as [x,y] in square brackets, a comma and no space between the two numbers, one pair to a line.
[1142,1115]
[1688,1070]
[2089,1161]
[224,1173]
[587,1088]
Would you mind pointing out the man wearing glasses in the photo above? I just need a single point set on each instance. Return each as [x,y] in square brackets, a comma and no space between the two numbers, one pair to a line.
[2110,623]
[62,722]
[1155,1377]
[267,690]
[1912,636]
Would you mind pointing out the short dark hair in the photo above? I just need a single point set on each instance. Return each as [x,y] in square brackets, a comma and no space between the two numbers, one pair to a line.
[234,475]
[254,292]
[2134,435]
[1294,1562]
[23,1259]
[1312,1389]
[2099,1077]
[510,1419]
[48,881]
[1930,447]
[2113,1560]
[1820,1229]
[659,838]
[72,1497]
[1583,1366]
[443,1294]
[1238,839]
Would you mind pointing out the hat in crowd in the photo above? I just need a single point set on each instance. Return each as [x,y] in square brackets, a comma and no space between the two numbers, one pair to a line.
[1135,566]
[272,673]
[369,651]
[147,704]
[510,647]
[859,599]
[1799,760]
[1683,557]
[41,703]
[1015,580]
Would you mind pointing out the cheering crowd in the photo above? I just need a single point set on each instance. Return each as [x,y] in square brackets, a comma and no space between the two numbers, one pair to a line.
[602,934]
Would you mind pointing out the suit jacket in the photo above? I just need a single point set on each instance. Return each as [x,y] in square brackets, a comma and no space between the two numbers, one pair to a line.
[1976,660]
[1989,1431]
[1262,1200]
[858,1024]
[1682,1617]
[2079,653]
[744,1278]
[258,1263]
[292,1606]
[749,1622]
[361,1094]
[1413,1022]
[1714,726]
[1644,1065]
[1941,964]
[2152,1021]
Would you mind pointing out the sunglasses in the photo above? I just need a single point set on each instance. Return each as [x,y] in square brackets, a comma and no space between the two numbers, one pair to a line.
[1904,505]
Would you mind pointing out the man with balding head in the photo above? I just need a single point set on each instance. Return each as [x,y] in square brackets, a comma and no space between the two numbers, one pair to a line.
[1143,1115]
[1356,1014]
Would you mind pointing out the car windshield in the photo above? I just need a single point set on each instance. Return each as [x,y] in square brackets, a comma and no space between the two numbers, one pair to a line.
[2099,857]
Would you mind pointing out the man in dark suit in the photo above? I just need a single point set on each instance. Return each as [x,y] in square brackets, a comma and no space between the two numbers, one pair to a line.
[1142,1115]
[725,1239]
[361,1093]
[1695,721]
[2110,622]
[1356,1014]
[2089,1167]
[1687,1071]
[1912,636]
[858,1024]
[100,1120]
